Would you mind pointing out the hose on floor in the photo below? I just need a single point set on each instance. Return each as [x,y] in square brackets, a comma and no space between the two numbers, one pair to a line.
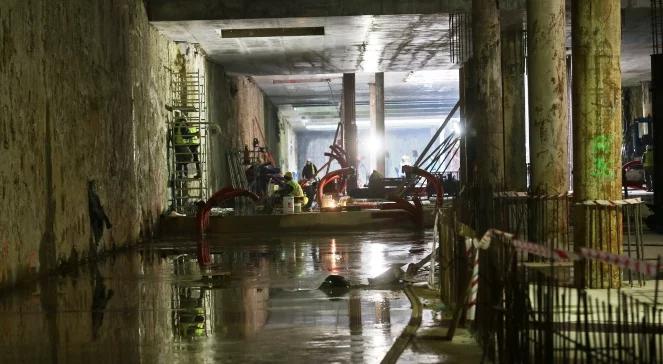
[409,331]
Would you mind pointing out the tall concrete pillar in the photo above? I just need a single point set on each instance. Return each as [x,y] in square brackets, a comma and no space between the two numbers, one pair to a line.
[597,137]
[350,124]
[377,123]
[487,115]
[513,102]
[548,119]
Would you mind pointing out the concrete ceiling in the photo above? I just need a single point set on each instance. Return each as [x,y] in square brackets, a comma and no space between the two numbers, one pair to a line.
[293,70]
[412,99]
[349,44]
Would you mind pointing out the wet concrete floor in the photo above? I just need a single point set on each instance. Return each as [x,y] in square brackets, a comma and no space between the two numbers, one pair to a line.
[258,303]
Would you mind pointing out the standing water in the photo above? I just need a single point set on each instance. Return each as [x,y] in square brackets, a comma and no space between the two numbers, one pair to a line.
[258,302]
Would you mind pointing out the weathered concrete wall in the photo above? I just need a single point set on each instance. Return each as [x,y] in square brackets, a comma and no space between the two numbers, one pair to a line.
[82,93]
[223,125]
[249,112]
[238,112]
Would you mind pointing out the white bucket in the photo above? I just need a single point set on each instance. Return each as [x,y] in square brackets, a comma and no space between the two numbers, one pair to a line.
[298,207]
[288,205]
[327,202]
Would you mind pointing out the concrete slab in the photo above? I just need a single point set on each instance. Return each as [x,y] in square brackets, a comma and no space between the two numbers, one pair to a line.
[302,222]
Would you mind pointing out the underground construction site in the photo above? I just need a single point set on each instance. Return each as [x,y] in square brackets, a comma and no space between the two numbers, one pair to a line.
[263,181]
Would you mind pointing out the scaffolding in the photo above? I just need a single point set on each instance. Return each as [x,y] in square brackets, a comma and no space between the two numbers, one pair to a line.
[187,141]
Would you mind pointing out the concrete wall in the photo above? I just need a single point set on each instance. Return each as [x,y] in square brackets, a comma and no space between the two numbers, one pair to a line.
[288,148]
[83,91]
[238,111]
[223,124]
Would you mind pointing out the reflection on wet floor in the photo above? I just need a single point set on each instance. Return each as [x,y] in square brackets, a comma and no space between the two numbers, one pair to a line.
[258,302]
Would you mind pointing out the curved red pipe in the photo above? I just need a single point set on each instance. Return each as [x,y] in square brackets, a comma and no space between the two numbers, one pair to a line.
[202,219]
[431,180]
[416,210]
[332,176]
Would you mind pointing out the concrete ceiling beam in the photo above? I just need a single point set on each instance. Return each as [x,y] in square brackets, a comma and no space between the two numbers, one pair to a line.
[180,10]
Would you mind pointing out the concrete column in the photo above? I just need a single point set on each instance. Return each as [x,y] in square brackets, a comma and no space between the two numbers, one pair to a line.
[546,65]
[513,102]
[487,115]
[377,123]
[597,137]
[656,109]
[548,120]
[462,171]
[350,124]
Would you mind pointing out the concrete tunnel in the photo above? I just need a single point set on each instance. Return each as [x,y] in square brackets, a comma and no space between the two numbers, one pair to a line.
[485,184]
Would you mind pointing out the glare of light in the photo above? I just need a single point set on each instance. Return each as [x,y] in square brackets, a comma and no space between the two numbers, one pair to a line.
[457,128]
[373,258]
[374,142]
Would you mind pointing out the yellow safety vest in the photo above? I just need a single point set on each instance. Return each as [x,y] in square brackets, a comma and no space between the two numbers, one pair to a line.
[189,137]
[193,138]
[296,189]
[178,138]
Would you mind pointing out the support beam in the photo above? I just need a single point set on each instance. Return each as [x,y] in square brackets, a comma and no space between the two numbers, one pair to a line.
[513,102]
[377,123]
[548,120]
[350,124]
[487,116]
[597,136]
[177,10]
[657,114]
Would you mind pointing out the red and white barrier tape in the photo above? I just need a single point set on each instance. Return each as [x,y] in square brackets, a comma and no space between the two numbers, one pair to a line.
[646,268]
[630,201]
[474,281]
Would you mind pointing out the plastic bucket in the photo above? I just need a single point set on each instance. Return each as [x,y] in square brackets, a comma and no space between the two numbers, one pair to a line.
[298,207]
[288,205]
[327,202]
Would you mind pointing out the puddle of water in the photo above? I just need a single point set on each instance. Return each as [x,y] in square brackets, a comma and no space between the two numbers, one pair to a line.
[257,303]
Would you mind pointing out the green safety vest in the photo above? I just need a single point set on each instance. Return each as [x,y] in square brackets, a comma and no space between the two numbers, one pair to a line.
[188,138]
[296,189]
[193,138]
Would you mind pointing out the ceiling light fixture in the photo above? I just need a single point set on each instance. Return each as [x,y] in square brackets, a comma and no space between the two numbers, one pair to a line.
[272,32]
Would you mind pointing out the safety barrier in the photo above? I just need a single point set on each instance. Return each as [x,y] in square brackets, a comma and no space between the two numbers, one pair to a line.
[529,312]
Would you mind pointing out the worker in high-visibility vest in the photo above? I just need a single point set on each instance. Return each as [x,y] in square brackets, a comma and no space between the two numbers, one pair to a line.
[180,145]
[292,188]
[186,144]
[194,144]
[648,165]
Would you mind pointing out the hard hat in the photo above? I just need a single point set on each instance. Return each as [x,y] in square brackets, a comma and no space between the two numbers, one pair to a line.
[288,175]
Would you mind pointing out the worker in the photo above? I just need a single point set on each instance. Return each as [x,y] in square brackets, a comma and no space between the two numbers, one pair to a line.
[376,184]
[648,165]
[292,188]
[194,144]
[182,151]
[310,170]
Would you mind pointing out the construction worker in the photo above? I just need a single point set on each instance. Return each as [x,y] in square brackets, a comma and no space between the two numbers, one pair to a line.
[648,165]
[292,188]
[180,144]
[310,170]
[194,144]
[186,143]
